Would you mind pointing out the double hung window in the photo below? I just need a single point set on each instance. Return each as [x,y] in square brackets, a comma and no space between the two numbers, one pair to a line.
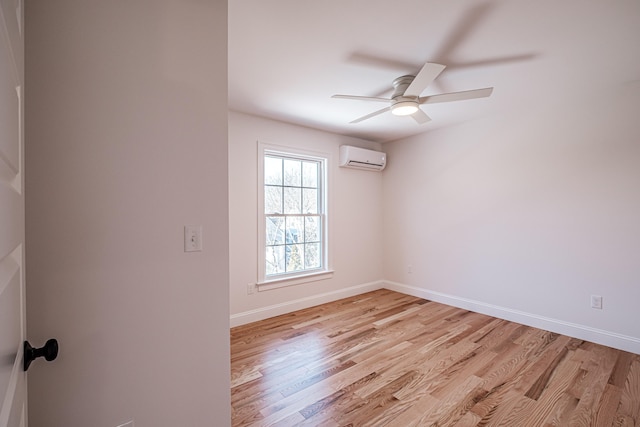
[293,219]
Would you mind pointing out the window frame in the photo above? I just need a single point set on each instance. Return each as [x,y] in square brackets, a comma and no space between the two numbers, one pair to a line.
[265,282]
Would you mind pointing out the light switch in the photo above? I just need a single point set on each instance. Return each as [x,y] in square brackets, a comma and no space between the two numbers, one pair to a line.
[192,238]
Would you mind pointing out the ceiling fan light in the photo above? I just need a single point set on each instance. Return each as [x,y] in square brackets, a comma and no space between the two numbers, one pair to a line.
[404,108]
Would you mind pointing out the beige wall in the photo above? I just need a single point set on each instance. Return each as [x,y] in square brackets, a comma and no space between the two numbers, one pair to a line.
[126,142]
[525,216]
[355,221]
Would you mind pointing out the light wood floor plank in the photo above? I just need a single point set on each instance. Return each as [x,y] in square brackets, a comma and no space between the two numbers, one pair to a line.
[388,359]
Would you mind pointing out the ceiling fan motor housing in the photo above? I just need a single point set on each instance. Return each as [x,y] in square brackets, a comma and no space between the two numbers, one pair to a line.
[403,105]
[401,84]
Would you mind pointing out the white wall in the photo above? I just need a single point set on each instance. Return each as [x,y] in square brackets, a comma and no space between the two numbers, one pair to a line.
[355,220]
[126,142]
[525,216]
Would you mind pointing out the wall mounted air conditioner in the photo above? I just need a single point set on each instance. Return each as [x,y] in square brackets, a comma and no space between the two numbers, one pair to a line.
[360,158]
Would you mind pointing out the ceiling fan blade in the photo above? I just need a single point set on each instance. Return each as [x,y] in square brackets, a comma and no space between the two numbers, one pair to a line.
[421,117]
[368,116]
[456,96]
[424,78]
[498,60]
[362,98]
[471,20]
[382,63]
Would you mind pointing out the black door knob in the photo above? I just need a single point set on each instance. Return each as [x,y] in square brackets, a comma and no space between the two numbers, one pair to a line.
[49,351]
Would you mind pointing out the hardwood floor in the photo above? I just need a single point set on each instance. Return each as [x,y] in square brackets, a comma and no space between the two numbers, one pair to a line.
[388,359]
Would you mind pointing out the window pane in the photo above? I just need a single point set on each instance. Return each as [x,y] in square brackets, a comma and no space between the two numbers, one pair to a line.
[310,174]
[292,200]
[275,230]
[293,214]
[295,257]
[272,199]
[272,170]
[292,172]
[312,255]
[295,229]
[312,229]
[309,201]
[275,260]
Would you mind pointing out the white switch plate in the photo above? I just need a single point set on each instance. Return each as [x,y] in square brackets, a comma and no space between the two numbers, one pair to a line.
[596,302]
[192,238]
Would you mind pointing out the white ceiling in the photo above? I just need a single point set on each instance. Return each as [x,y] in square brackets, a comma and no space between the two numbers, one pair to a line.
[287,57]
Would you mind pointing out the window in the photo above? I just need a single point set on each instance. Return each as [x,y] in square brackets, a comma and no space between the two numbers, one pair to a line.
[293,220]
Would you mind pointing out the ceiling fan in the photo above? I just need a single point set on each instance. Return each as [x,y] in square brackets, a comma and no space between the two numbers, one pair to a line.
[406,99]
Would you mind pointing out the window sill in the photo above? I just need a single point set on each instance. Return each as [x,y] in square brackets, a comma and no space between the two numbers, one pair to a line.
[291,281]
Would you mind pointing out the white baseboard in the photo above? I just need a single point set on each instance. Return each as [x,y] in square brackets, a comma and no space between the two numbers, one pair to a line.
[610,339]
[302,303]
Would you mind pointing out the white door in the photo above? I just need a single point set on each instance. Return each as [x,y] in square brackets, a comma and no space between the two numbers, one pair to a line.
[13,387]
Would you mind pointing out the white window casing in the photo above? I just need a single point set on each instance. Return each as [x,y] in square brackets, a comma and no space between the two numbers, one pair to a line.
[298,252]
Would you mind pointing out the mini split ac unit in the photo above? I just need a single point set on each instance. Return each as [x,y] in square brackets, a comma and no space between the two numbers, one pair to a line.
[360,158]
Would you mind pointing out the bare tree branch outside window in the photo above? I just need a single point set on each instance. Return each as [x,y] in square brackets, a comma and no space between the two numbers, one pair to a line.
[293,214]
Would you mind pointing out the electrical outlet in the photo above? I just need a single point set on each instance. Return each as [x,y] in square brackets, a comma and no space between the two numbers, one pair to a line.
[410,269]
[251,288]
[596,302]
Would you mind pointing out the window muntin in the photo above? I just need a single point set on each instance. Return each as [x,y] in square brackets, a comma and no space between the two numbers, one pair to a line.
[294,215]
